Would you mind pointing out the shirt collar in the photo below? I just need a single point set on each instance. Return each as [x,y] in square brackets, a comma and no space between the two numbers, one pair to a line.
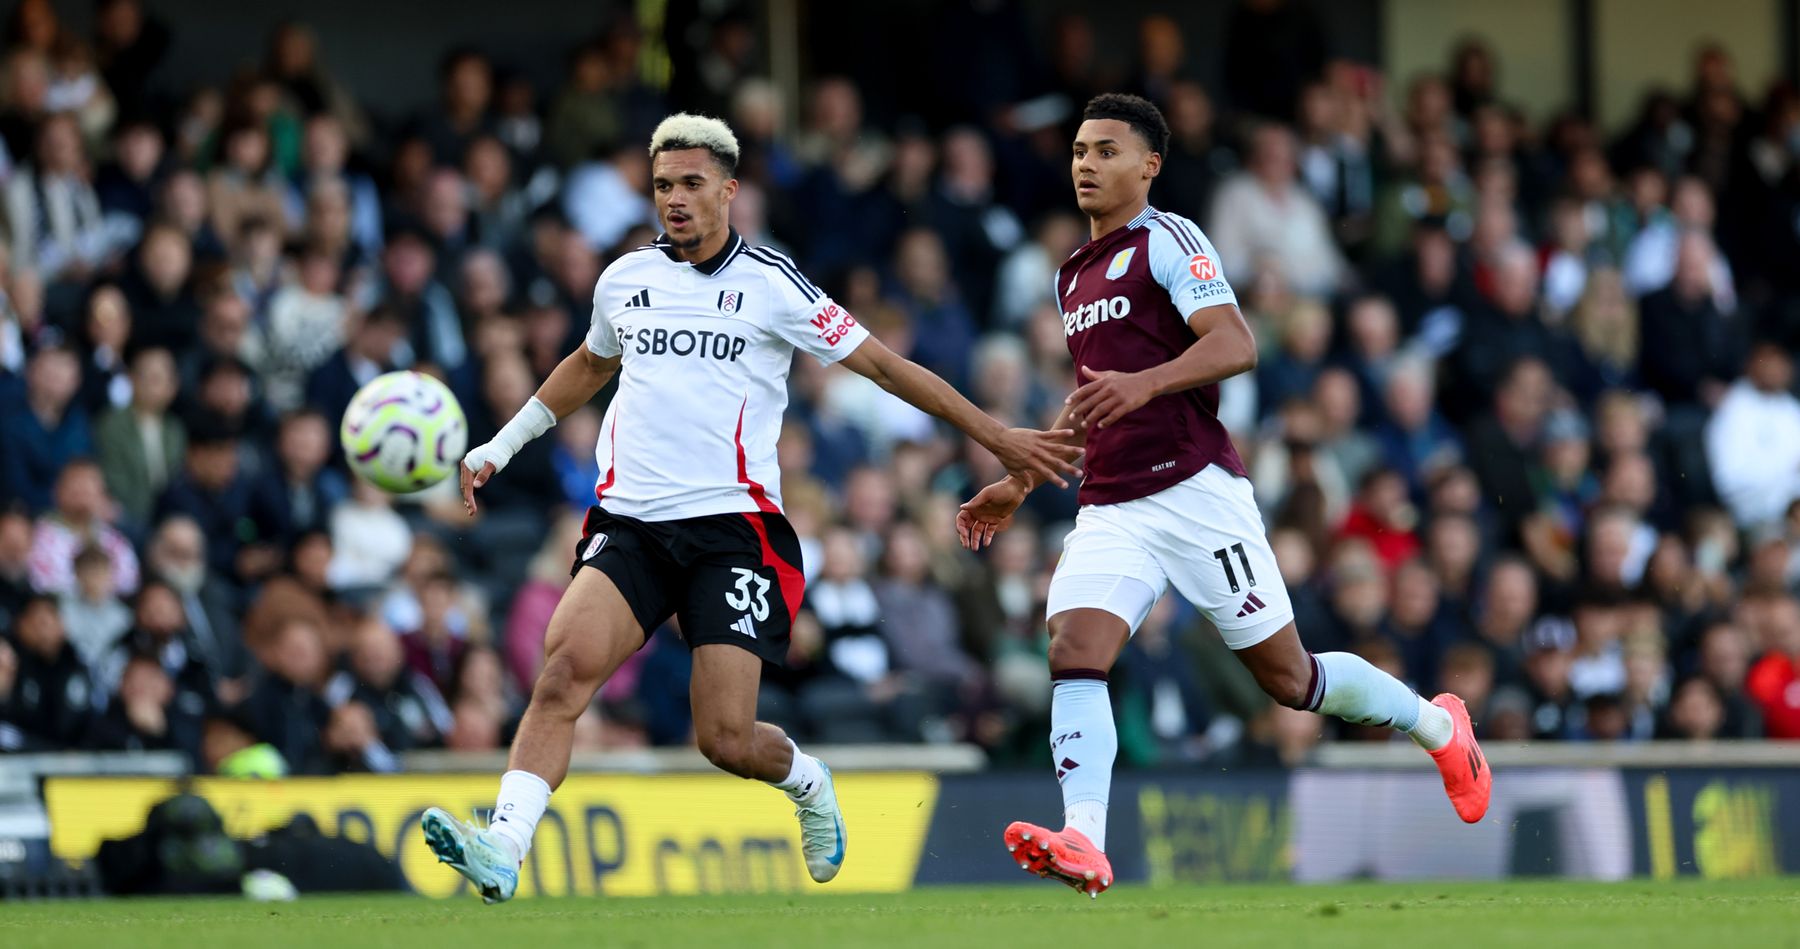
[711,265]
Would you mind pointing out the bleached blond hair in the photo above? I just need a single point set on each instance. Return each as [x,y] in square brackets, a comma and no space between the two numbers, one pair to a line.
[686,130]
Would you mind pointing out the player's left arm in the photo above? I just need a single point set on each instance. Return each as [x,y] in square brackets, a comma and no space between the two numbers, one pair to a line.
[1034,455]
[1184,263]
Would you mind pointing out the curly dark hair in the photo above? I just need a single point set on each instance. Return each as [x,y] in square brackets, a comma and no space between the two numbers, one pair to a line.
[1136,111]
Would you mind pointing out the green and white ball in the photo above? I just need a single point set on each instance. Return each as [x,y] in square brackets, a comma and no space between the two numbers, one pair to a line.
[404,432]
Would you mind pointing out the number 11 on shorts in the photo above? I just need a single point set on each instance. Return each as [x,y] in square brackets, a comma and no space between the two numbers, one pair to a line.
[1223,555]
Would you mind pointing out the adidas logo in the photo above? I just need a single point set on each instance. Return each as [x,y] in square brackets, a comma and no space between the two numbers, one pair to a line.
[1251,605]
[1065,766]
[745,625]
[640,300]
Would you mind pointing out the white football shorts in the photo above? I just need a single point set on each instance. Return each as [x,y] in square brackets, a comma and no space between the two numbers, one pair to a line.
[1204,535]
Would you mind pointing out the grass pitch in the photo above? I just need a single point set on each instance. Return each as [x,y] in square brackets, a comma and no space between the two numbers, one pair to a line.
[1444,916]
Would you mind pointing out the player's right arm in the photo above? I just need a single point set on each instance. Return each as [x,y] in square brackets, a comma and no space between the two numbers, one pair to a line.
[571,385]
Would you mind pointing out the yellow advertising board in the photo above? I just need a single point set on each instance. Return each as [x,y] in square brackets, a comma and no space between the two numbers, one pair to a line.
[603,834]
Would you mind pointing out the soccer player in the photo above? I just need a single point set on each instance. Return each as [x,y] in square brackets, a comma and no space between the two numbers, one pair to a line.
[1154,328]
[701,329]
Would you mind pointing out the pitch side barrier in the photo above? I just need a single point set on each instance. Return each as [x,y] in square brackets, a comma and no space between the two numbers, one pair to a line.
[661,823]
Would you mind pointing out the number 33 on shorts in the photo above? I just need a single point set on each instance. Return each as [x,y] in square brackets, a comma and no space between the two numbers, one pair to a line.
[751,595]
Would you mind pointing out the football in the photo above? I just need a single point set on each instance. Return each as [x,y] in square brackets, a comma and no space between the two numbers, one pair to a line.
[403,432]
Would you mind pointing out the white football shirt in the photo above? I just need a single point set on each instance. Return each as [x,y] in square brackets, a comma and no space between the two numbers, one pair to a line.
[705,351]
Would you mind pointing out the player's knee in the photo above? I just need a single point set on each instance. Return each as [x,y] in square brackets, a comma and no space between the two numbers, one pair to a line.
[559,690]
[1286,686]
[730,753]
[1071,650]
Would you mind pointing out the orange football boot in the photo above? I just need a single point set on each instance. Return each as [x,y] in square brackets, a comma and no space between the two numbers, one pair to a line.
[1065,855]
[1467,778]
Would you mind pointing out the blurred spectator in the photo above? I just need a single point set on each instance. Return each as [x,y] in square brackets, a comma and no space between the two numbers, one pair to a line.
[1503,445]
[325,167]
[411,289]
[106,328]
[246,185]
[91,612]
[857,695]
[409,711]
[1262,219]
[498,206]
[919,621]
[976,230]
[528,618]
[1774,681]
[1605,324]
[1383,516]
[292,61]
[1339,399]
[605,196]
[585,118]
[466,90]
[149,715]
[1197,160]
[241,520]
[142,445]
[302,487]
[1163,708]
[1753,440]
[129,45]
[306,323]
[81,518]
[367,353]
[53,212]
[1691,351]
[1505,330]
[1026,278]
[433,649]
[176,556]
[126,186]
[44,430]
[1696,712]
[1415,440]
[160,292]
[1654,256]
[160,632]
[368,540]
[46,696]
[284,707]
[1724,662]
[1337,160]
[1304,337]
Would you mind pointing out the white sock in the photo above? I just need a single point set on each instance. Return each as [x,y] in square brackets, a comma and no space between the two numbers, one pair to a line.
[1346,686]
[523,798]
[1083,744]
[805,778]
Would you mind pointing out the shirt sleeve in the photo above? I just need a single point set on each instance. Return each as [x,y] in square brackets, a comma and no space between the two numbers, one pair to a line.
[803,315]
[1187,266]
[602,339]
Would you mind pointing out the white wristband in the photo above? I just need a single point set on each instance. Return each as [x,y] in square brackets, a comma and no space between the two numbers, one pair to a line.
[533,420]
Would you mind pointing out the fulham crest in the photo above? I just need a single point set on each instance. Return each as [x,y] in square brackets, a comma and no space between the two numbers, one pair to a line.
[730,301]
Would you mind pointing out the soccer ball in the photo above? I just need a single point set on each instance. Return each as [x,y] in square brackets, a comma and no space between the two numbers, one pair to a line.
[403,432]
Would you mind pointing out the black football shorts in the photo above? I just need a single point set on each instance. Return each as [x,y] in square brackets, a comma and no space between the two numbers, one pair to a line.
[729,578]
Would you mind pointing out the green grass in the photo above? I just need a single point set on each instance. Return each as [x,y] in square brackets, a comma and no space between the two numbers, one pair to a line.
[1453,916]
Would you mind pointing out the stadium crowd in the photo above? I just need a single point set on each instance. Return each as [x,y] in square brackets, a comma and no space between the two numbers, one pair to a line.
[1524,425]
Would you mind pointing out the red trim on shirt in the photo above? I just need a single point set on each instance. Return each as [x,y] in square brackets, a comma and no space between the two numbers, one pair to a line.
[757,493]
[612,469]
